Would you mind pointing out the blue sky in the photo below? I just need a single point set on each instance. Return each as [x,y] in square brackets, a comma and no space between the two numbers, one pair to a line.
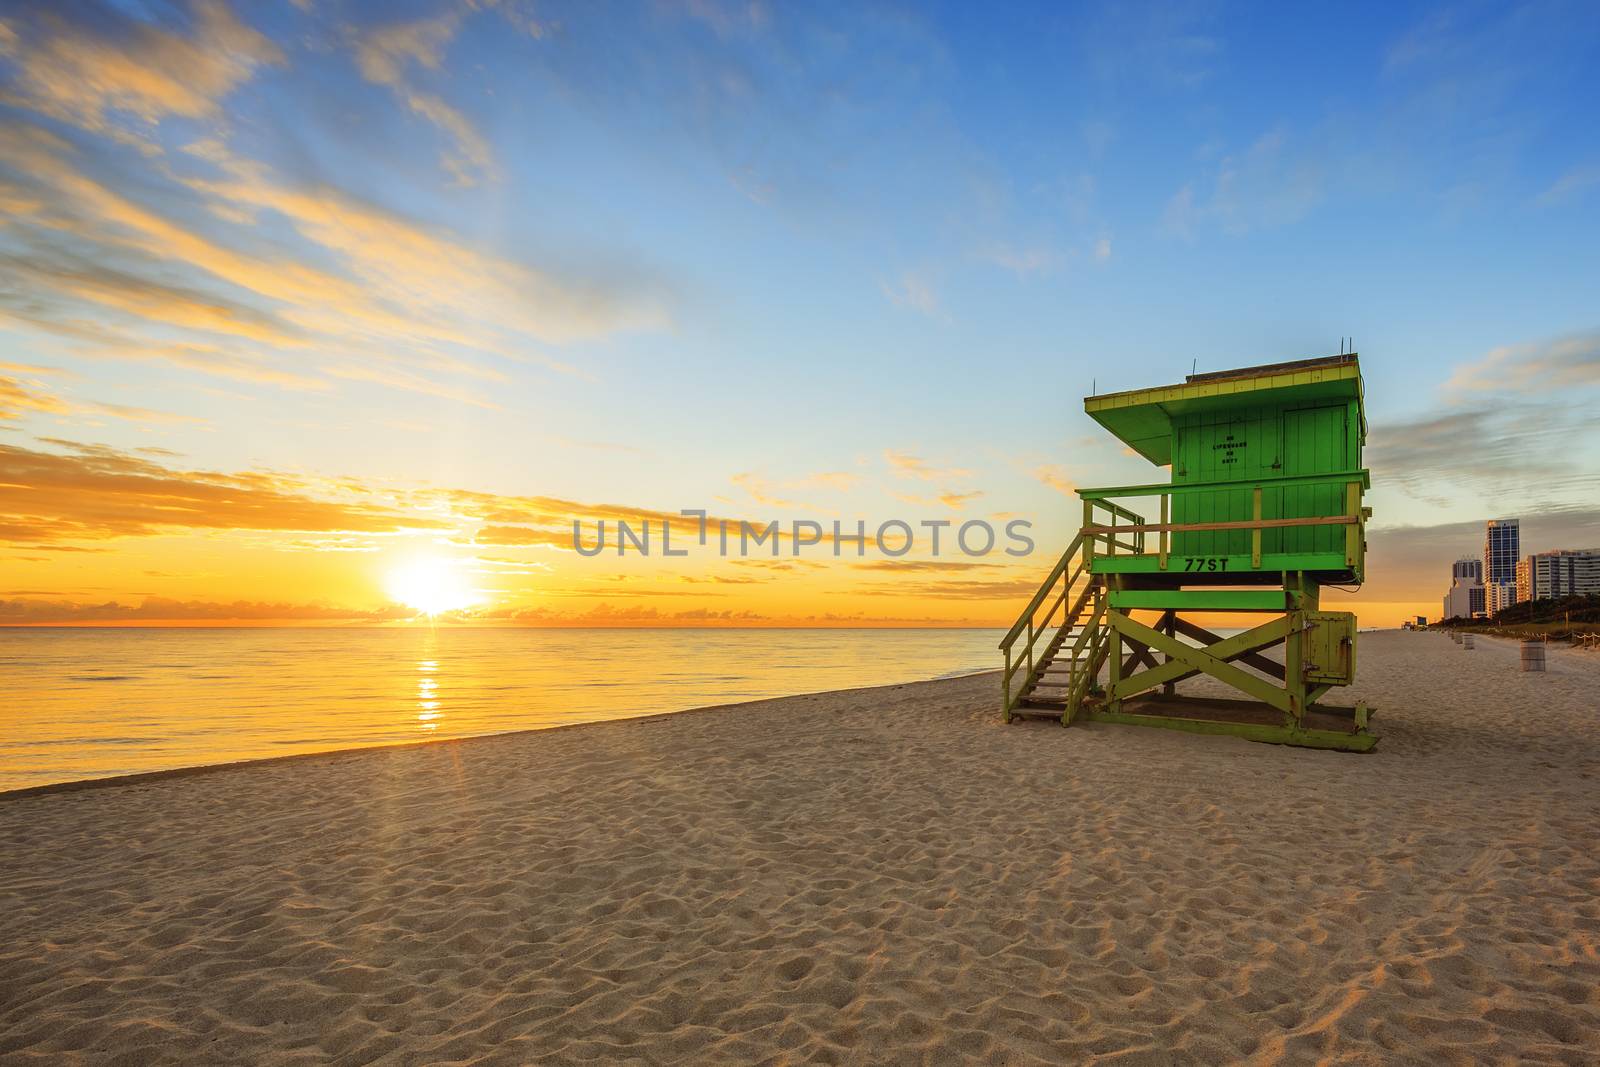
[699,254]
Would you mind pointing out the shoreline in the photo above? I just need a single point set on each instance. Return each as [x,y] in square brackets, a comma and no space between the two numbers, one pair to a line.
[138,777]
[112,781]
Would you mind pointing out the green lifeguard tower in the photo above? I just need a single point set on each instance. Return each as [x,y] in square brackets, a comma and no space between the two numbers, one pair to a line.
[1264,509]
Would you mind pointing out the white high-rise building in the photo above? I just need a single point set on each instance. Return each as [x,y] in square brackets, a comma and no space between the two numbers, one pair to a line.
[1465,600]
[1563,572]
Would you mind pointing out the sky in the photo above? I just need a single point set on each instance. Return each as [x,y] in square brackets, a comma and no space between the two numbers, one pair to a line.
[327,311]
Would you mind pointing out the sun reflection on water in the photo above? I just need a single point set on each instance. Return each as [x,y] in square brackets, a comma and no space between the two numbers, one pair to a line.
[428,695]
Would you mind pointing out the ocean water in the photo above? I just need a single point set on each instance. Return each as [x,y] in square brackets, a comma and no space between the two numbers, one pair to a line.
[90,703]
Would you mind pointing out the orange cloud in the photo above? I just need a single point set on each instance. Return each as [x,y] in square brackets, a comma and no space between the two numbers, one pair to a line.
[952,500]
[104,342]
[909,565]
[760,490]
[957,501]
[396,378]
[523,535]
[152,301]
[957,589]
[1056,478]
[841,480]
[95,493]
[69,72]
[906,465]
[411,267]
[631,615]
[18,397]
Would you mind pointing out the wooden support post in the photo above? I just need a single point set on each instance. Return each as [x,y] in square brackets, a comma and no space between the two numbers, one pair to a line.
[1161,538]
[1030,649]
[1005,687]
[1304,594]
[1294,675]
[1352,532]
[1170,629]
[1114,651]
[1255,535]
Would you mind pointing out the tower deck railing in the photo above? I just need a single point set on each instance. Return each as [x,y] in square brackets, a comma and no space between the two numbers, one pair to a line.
[1352,515]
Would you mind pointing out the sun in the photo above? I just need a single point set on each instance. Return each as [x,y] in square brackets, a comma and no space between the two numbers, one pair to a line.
[431,585]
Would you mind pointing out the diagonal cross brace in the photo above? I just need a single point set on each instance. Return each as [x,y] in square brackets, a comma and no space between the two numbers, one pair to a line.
[1212,660]
[1250,659]
[1140,654]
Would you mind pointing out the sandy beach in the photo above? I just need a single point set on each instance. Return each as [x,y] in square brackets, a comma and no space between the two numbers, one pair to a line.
[873,876]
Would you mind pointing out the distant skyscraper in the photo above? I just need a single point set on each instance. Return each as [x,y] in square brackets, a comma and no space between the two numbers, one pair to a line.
[1563,572]
[1465,600]
[1502,548]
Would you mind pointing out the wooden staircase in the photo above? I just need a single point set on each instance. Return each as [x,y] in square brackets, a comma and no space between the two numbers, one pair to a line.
[1059,642]
[1049,693]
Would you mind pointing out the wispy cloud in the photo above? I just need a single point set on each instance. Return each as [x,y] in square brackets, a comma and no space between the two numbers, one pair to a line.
[91,492]
[374,288]
[958,589]
[19,397]
[447,285]
[398,378]
[956,501]
[1511,430]
[628,615]
[102,83]
[934,566]
[1515,454]
[1056,478]
[1023,261]
[383,54]
[1537,367]
[1173,45]
[1269,183]
[905,465]
[915,292]
[727,17]
[146,299]
[761,490]
[769,493]
[1570,185]
[840,480]
[947,498]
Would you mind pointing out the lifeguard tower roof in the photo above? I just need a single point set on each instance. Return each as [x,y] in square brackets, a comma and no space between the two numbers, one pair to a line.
[1142,418]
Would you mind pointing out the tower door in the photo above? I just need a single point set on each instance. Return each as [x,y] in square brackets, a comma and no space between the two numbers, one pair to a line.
[1236,448]
[1315,441]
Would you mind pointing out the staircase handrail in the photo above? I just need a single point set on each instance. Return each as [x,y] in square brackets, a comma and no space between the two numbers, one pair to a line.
[1029,612]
